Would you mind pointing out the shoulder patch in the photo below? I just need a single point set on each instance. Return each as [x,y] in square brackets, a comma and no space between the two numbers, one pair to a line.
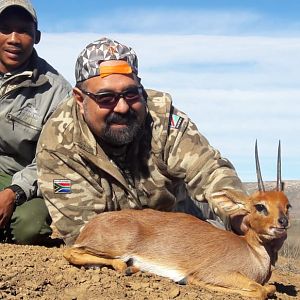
[176,121]
[62,186]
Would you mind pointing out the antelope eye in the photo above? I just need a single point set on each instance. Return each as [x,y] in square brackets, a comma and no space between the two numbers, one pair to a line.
[261,209]
[289,206]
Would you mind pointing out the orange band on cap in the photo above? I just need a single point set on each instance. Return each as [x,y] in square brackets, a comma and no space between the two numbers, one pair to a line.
[118,69]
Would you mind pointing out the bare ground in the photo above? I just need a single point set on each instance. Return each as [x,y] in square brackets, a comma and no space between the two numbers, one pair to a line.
[35,272]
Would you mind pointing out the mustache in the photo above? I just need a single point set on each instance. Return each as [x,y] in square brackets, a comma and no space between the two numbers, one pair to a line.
[127,118]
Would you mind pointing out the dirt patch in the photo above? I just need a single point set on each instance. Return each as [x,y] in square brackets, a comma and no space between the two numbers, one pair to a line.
[34,272]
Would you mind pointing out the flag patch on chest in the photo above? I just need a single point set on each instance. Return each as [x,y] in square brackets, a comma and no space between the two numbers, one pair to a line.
[62,186]
[176,121]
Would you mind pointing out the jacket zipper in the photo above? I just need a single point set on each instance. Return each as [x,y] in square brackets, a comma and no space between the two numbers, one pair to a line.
[131,189]
[14,120]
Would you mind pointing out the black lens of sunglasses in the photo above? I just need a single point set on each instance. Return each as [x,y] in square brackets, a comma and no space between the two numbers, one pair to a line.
[110,99]
[129,95]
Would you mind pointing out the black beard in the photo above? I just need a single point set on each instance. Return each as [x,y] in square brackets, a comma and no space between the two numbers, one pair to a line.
[125,135]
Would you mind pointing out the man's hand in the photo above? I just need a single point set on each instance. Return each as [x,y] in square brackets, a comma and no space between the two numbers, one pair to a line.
[233,205]
[7,198]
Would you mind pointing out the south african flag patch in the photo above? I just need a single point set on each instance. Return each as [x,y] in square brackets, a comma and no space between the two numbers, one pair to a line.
[176,121]
[62,186]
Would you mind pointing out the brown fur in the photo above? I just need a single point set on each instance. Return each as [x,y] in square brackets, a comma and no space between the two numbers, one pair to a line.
[203,254]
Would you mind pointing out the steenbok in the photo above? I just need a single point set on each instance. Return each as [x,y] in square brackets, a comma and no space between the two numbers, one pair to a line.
[188,250]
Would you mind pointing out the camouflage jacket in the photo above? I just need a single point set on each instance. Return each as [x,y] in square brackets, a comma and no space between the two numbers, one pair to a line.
[171,161]
[27,99]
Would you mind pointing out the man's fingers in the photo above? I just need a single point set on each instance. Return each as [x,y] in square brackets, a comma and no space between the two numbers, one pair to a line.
[2,222]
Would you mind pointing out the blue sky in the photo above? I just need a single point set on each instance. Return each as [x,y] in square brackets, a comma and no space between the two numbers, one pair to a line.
[233,66]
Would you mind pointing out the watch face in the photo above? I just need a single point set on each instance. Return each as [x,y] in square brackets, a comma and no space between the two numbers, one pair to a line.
[20,198]
[19,194]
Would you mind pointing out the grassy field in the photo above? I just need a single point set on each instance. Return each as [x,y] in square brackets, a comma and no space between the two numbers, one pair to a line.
[291,247]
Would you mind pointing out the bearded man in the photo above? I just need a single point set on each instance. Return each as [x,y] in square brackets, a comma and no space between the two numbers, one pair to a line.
[115,145]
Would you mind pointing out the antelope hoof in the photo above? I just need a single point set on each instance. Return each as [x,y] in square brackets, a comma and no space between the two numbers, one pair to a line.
[270,289]
[131,270]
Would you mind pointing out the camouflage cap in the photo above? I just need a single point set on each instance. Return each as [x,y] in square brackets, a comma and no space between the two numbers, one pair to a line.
[25,4]
[88,61]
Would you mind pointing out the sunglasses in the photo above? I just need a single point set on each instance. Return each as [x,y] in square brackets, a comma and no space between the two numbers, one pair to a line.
[110,99]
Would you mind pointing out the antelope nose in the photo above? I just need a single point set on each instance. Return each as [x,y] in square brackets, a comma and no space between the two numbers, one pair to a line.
[283,221]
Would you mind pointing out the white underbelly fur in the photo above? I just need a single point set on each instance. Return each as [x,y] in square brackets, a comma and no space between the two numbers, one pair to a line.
[151,267]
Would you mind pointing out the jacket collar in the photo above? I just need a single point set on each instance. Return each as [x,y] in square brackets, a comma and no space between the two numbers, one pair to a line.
[37,78]
[25,77]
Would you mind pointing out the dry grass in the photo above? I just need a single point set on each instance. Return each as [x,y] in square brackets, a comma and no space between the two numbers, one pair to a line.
[291,249]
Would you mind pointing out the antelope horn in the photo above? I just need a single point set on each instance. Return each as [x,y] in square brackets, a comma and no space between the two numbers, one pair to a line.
[279,181]
[260,182]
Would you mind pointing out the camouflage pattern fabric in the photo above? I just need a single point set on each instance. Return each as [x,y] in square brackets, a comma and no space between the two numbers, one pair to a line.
[171,162]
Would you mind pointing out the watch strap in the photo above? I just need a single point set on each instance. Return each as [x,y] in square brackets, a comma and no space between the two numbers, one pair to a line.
[20,194]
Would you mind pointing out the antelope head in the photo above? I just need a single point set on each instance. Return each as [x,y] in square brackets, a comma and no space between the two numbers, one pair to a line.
[269,209]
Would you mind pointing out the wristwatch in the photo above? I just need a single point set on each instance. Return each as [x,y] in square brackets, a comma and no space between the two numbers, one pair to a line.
[20,194]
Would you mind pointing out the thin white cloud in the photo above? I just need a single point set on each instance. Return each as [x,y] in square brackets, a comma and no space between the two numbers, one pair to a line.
[176,20]
[173,21]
